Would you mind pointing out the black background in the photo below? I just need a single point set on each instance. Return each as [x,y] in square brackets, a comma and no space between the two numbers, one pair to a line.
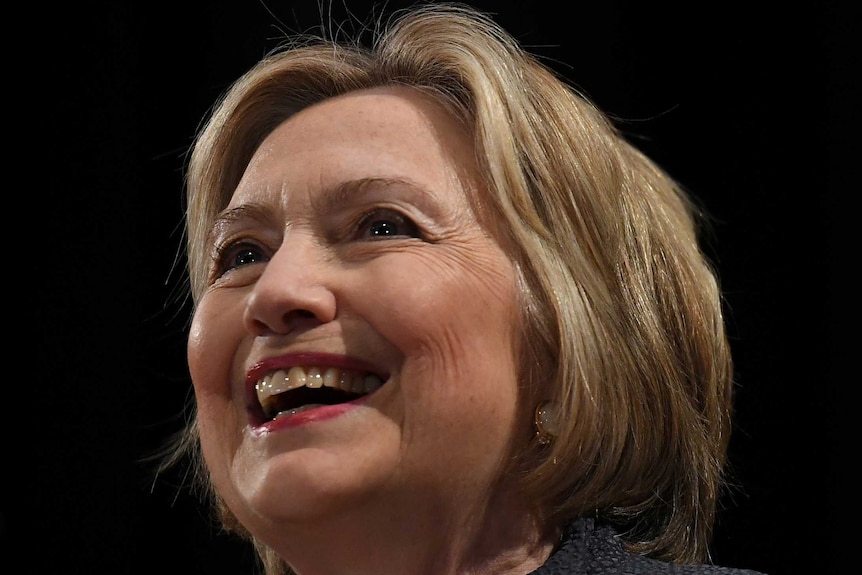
[743,103]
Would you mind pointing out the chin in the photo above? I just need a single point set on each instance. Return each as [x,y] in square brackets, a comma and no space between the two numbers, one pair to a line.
[305,486]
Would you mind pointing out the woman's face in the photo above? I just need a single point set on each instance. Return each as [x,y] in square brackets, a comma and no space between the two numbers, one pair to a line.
[352,274]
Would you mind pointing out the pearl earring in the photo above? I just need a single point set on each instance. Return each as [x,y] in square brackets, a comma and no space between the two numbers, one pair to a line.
[545,420]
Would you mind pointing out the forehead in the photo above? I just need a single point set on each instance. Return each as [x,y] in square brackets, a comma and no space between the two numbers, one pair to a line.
[388,133]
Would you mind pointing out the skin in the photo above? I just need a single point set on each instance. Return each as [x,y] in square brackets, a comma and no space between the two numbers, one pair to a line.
[352,236]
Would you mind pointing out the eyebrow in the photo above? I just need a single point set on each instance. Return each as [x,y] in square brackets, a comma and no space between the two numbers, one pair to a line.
[335,197]
[231,216]
[332,199]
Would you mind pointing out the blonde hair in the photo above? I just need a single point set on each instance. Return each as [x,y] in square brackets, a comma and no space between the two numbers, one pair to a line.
[623,314]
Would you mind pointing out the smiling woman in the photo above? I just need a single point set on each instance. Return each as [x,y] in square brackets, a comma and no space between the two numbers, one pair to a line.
[446,316]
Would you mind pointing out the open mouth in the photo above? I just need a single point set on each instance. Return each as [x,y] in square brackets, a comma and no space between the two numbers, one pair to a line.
[287,392]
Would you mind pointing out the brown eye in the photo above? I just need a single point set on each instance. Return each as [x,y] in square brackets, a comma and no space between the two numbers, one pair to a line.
[246,256]
[383,228]
[381,224]
[233,256]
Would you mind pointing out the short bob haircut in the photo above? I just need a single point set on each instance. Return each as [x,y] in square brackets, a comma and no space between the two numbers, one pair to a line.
[622,312]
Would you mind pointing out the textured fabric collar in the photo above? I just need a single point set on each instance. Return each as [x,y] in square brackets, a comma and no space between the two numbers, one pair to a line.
[589,548]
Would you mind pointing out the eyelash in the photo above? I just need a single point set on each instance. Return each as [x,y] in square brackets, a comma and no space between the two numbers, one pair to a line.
[391,224]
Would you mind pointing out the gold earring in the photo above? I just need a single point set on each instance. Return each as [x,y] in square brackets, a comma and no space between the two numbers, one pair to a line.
[545,420]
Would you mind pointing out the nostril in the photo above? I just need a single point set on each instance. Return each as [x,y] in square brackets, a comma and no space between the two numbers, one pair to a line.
[257,327]
[294,319]
[298,317]
[301,313]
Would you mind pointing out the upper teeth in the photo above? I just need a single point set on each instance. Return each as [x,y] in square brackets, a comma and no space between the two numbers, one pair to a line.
[344,379]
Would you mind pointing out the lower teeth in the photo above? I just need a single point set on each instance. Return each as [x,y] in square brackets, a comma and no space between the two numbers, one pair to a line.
[296,410]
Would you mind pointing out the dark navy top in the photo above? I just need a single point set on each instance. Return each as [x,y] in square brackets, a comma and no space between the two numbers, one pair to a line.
[588,548]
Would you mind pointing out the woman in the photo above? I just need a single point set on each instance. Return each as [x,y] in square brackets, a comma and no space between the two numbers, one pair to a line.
[447,320]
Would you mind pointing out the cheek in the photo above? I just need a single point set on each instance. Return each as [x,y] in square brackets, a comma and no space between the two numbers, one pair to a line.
[211,347]
[452,315]
[213,342]
[450,302]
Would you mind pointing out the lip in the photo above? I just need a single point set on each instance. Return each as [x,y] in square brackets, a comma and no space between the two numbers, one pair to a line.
[321,413]
[261,425]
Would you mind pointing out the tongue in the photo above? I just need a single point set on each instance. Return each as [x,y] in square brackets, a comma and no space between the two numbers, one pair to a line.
[303,398]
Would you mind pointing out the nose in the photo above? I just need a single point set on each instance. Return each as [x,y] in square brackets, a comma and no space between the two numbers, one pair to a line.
[292,293]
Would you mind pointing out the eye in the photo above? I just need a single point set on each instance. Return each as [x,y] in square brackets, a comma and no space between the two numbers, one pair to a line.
[231,256]
[383,223]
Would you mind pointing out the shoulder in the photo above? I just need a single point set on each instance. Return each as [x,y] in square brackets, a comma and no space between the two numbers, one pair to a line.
[591,549]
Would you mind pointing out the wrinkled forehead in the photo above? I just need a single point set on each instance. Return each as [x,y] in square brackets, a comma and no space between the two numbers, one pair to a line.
[386,133]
